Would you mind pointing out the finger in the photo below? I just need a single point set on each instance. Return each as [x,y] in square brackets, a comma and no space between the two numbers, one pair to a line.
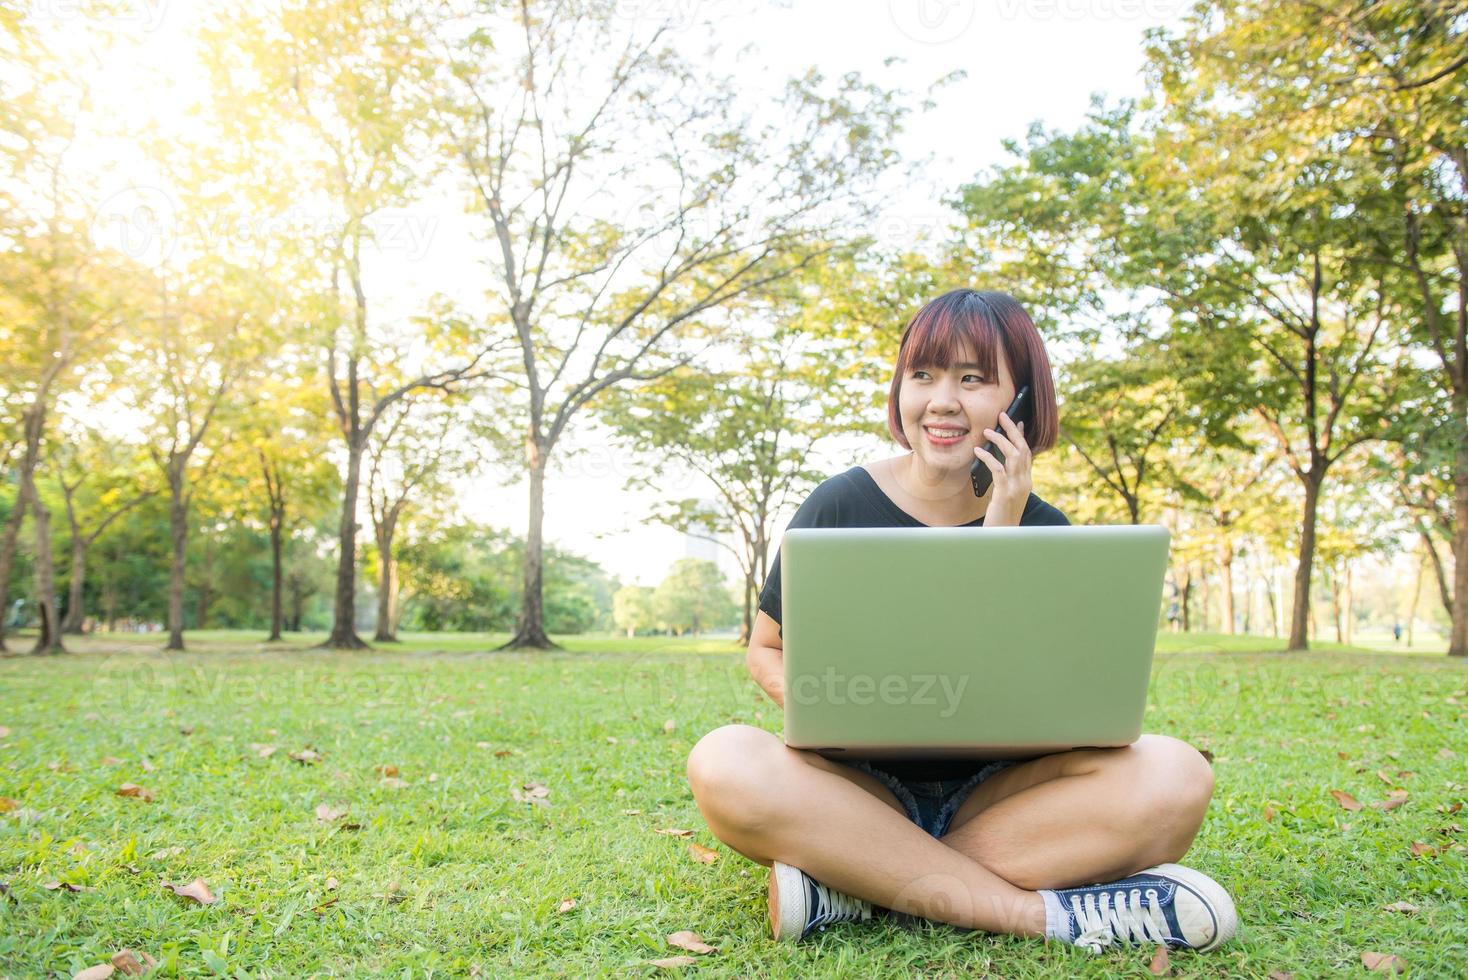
[994,465]
[1015,430]
[1000,440]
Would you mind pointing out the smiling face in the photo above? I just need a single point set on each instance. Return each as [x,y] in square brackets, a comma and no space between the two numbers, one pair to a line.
[944,410]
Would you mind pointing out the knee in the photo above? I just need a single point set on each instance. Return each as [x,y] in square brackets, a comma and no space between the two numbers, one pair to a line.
[732,771]
[1178,785]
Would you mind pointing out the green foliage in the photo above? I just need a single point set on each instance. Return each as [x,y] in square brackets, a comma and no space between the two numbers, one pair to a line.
[467,576]
[693,598]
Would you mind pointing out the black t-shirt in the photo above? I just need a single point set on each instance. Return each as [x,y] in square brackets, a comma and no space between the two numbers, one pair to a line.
[853,499]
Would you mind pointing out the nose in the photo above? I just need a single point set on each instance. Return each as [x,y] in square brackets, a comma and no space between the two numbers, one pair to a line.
[943,398]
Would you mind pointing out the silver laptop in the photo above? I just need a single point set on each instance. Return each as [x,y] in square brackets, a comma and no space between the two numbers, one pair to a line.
[964,642]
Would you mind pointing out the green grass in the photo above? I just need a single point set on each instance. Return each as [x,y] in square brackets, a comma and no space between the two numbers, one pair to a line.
[480,875]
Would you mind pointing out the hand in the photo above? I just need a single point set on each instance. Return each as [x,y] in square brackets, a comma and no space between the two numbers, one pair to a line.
[1011,487]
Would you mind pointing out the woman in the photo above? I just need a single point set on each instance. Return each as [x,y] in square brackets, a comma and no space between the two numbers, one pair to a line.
[1012,846]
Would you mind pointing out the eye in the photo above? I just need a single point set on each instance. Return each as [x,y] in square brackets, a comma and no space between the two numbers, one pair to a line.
[976,377]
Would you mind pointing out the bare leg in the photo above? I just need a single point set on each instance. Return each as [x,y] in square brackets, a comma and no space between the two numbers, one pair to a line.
[1088,816]
[771,802]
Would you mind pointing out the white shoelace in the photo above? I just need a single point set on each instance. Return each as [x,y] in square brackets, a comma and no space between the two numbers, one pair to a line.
[1118,915]
[833,906]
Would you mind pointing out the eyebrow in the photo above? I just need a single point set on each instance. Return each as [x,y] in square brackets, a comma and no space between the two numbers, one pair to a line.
[963,367]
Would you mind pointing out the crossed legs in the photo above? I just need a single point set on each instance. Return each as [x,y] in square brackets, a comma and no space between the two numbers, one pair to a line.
[1061,820]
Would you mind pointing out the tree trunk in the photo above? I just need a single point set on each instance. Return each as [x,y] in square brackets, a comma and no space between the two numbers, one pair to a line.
[48,615]
[1416,593]
[1335,604]
[1184,600]
[178,533]
[1458,639]
[74,613]
[298,605]
[277,518]
[1300,615]
[7,561]
[1228,586]
[387,584]
[1350,601]
[530,630]
[343,629]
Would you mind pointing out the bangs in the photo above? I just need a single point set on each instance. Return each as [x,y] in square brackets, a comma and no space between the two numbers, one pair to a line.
[948,331]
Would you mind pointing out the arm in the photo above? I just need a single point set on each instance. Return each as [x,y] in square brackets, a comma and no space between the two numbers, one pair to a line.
[766,657]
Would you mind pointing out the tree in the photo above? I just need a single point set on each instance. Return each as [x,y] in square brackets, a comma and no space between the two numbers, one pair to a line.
[723,199]
[411,462]
[750,432]
[1369,94]
[350,85]
[693,597]
[209,327]
[100,482]
[632,609]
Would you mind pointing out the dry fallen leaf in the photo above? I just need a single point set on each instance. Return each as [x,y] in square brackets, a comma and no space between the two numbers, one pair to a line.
[196,890]
[1393,800]
[567,904]
[129,964]
[148,766]
[706,855]
[186,729]
[385,770]
[674,962]
[52,886]
[135,791]
[674,832]
[537,790]
[499,753]
[326,813]
[4,732]
[1281,975]
[1268,813]
[99,972]
[631,813]
[393,782]
[1346,800]
[262,750]
[1420,849]
[332,884]
[690,941]
[306,756]
[7,804]
[669,725]
[1383,962]
[166,853]
[1159,965]
[1442,807]
[1406,907]
[110,760]
[1444,753]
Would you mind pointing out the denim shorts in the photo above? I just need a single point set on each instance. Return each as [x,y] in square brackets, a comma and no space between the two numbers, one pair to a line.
[931,804]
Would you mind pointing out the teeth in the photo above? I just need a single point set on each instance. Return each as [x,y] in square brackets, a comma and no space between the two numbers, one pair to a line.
[946,433]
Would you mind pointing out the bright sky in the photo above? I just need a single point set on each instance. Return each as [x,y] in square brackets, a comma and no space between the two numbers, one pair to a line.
[1026,60]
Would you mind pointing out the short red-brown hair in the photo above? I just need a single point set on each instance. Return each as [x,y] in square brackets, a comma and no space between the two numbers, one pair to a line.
[938,333]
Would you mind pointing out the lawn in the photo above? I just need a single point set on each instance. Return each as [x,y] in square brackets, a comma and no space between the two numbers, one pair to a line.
[438,869]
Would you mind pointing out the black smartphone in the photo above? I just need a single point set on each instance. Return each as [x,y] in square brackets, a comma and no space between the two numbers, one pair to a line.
[1018,411]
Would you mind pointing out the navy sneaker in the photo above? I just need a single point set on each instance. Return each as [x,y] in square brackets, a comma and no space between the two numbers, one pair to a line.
[1168,904]
[799,904]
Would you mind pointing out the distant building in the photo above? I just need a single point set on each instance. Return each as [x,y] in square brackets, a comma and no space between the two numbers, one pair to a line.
[696,543]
